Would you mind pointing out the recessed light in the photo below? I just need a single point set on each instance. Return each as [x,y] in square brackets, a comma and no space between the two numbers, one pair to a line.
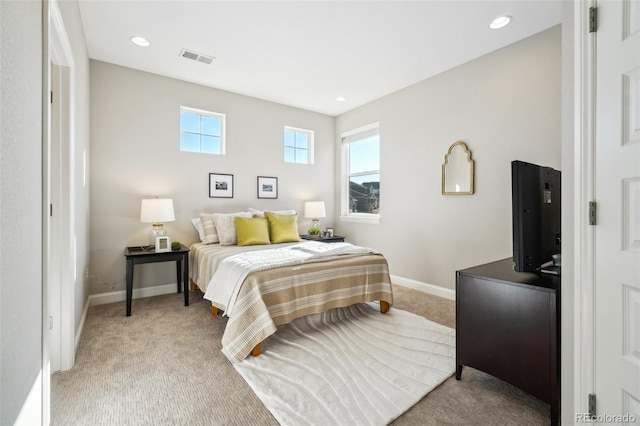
[341,99]
[500,22]
[140,41]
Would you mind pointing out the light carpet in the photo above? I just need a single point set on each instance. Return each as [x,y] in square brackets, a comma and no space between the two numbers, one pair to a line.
[350,366]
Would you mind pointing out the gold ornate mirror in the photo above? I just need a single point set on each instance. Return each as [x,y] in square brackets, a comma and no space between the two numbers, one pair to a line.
[457,170]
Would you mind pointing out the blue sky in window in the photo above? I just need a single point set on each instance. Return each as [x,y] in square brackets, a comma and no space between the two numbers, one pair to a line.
[364,155]
[210,125]
[210,144]
[189,142]
[189,122]
[302,140]
[296,146]
[200,133]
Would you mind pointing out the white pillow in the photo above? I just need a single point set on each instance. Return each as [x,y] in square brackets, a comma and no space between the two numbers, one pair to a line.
[260,213]
[226,226]
[209,231]
[198,225]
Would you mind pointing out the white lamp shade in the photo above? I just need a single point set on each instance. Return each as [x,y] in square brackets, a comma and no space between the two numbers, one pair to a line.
[157,210]
[314,209]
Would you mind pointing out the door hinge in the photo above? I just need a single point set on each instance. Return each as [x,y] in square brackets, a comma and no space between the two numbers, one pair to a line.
[50,323]
[51,210]
[592,405]
[593,19]
[592,212]
[51,97]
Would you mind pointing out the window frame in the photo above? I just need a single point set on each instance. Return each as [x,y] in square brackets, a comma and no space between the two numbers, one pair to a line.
[310,143]
[346,139]
[202,112]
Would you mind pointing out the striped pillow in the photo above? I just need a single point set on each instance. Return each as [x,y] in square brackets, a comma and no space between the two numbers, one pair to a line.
[209,229]
[198,227]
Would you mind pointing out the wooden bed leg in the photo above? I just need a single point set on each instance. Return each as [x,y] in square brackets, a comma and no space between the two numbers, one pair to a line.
[384,306]
[192,285]
[257,350]
[214,311]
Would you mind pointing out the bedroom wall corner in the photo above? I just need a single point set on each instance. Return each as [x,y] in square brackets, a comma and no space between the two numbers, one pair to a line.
[505,106]
[135,154]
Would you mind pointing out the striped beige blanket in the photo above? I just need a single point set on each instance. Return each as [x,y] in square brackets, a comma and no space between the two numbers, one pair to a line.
[277,296]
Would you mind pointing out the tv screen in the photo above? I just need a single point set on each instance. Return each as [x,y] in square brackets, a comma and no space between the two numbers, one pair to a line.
[536,215]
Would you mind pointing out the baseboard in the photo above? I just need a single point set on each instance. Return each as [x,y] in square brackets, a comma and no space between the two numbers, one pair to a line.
[434,290]
[81,325]
[138,293]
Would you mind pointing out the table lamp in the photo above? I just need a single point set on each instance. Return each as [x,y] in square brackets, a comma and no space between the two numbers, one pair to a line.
[314,210]
[157,211]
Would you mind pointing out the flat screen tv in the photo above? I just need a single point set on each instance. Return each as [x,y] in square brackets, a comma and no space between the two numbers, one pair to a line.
[536,216]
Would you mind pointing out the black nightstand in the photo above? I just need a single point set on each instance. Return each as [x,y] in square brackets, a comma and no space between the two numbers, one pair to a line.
[136,255]
[334,239]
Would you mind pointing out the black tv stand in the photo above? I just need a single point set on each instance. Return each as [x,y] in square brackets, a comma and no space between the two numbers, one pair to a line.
[508,325]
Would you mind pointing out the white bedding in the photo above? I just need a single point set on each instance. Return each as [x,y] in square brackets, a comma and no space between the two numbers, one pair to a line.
[204,259]
[222,289]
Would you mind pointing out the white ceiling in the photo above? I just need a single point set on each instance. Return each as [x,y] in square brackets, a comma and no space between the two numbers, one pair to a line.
[307,53]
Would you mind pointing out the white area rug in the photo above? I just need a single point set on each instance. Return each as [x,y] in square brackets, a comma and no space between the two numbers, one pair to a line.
[350,366]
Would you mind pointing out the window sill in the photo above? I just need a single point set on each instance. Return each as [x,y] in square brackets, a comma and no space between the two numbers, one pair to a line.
[373,219]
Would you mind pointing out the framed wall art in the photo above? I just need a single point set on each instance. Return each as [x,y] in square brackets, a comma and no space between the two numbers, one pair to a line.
[267,187]
[220,185]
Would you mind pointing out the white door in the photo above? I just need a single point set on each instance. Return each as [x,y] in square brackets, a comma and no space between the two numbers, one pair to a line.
[617,193]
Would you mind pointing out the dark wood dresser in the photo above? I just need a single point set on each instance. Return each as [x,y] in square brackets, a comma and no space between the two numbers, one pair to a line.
[508,325]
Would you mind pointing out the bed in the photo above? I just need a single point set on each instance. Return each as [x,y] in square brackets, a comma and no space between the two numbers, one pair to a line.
[260,287]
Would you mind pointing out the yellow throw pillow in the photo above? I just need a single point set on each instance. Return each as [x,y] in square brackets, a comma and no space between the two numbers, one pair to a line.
[252,231]
[283,228]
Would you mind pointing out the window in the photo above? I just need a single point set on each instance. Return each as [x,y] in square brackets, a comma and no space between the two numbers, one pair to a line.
[201,131]
[361,174]
[298,145]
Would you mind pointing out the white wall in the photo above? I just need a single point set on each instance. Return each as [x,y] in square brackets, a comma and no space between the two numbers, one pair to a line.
[20,204]
[135,154]
[505,106]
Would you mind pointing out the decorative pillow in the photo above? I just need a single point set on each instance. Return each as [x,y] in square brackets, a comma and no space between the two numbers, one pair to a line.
[252,231]
[197,224]
[209,232]
[226,226]
[260,213]
[283,228]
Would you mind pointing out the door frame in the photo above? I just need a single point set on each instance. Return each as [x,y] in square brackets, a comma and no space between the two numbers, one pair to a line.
[584,234]
[57,49]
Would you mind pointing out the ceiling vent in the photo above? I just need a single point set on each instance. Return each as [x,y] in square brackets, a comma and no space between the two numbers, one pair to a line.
[199,57]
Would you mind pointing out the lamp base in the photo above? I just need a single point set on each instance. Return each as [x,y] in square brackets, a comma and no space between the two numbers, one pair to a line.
[156,231]
[315,231]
